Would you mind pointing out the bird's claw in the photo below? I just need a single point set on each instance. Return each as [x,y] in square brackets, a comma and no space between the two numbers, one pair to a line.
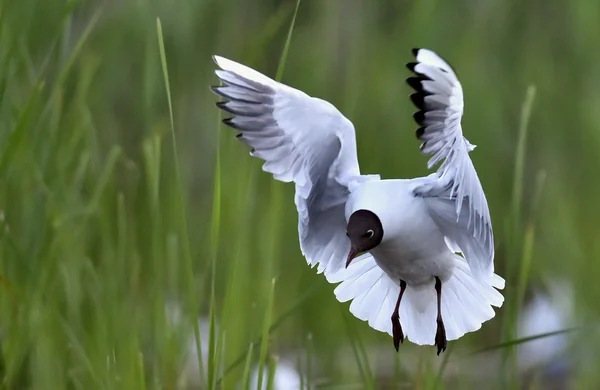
[440,337]
[397,332]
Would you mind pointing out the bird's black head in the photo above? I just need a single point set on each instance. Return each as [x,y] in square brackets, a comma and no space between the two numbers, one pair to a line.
[365,232]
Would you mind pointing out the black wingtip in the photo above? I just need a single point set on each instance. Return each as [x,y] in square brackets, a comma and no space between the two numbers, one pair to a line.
[411,66]
[416,82]
[419,117]
[419,133]
[418,99]
[228,122]
[223,106]
[415,51]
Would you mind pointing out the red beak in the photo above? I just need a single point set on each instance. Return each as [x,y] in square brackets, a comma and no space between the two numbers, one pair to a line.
[351,256]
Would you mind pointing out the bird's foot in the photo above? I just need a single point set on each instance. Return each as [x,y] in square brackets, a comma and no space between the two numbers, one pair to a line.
[397,331]
[440,337]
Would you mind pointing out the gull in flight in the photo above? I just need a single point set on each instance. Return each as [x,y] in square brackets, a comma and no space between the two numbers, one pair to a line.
[415,256]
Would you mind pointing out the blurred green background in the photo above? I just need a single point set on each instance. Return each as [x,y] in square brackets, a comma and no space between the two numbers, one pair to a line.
[107,259]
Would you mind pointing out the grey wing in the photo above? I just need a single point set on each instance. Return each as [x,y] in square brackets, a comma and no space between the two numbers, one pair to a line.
[304,140]
[453,194]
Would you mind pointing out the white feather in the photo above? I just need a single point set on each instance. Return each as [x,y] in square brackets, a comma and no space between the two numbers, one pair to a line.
[302,139]
[466,302]
[456,183]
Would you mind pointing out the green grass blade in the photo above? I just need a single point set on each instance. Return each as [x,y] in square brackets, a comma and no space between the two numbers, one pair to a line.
[247,366]
[519,169]
[212,342]
[193,306]
[141,372]
[163,62]
[518,265]
[528,241]
[78,46]
[271,368]
[19,132]
[264,344]
[523,340]
[105,176]
[286,47]
[215,224]
[219,349]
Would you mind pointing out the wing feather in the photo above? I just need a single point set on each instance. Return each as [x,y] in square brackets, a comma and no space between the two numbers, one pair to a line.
[304,140]
[454,194]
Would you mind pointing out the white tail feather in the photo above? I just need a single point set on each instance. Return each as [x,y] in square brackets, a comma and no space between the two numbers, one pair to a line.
[466,302]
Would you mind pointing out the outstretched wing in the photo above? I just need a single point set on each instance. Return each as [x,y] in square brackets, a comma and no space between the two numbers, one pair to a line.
[453,194]
[301,139]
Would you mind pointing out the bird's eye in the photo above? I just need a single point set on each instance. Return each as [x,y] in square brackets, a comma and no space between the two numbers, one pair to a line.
[347,235]
[370,233]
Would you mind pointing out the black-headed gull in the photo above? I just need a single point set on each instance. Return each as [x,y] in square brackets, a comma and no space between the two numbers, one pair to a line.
[409,230]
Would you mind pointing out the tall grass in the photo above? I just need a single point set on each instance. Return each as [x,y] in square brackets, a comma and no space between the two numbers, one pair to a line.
[126,216]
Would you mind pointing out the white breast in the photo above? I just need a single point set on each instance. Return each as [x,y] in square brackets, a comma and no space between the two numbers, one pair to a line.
[413,248]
